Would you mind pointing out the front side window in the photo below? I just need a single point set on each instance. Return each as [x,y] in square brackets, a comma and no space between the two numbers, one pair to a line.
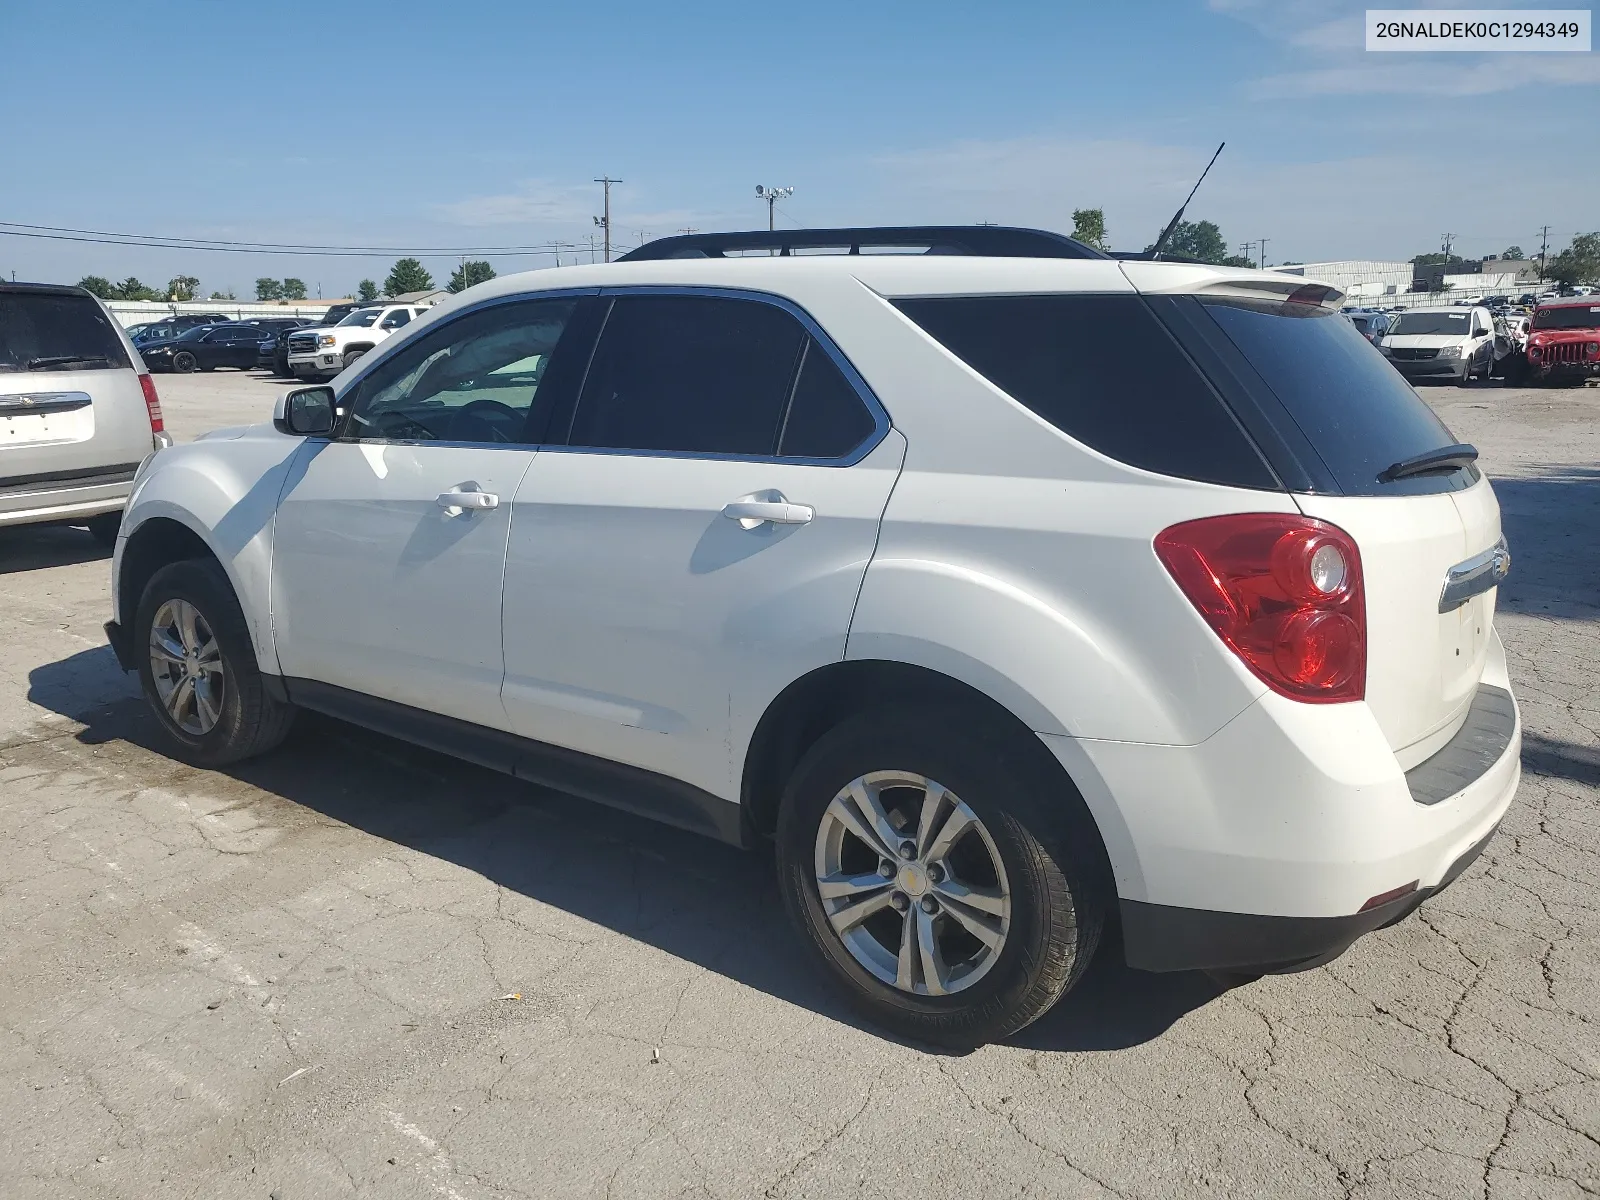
[396,319]
[695,374]
[473,379]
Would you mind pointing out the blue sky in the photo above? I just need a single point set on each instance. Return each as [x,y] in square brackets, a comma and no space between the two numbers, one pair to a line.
[431,124]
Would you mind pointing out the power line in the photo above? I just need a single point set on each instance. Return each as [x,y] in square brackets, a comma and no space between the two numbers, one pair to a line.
[174,241]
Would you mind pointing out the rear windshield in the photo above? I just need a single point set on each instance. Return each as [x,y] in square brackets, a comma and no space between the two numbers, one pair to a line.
[1456,323]
[1358,413]
[1569,316]
[41,331]
[1104,371]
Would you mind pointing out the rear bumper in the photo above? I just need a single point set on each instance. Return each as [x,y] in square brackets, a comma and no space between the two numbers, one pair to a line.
[1160,938]
[77,495]
[1262,845]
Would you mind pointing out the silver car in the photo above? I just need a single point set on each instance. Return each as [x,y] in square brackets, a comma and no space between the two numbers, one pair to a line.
[78,411]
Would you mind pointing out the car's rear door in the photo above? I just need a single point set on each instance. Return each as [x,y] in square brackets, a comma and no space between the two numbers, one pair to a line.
[700,539]
[390,538]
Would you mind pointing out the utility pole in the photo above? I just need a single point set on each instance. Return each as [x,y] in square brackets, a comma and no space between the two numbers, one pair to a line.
[1263,244]
[605,221]
[772,195]
[690,229]
[1544,249]
[1448,238]
[1244,248]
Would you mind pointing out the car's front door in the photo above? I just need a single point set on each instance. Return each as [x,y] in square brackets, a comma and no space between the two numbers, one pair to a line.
[390,539]
[699,541]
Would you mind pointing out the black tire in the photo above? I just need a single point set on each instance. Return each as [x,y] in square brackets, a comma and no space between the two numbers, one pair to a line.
[251,721]
[1466,374]
[1047,844]
[350,358]
[103,528]
[183,362]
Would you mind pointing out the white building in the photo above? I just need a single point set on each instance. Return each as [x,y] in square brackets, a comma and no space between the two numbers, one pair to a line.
[1358,279]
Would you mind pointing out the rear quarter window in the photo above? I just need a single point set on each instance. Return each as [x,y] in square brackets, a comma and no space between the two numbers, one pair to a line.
[45,331]
[1105,372]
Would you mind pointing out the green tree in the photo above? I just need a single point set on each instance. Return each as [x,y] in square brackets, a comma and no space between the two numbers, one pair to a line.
[1434,258]
[269,289]
[1201,241]
[294,289]
[366,290]
[95,285]
[470,273]
[407,275]
[182,287]
[1579,262]
[1514,253]
[1089,227]
[131,289]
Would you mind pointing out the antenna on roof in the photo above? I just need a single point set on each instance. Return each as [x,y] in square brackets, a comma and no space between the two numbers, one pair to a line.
[1166,233]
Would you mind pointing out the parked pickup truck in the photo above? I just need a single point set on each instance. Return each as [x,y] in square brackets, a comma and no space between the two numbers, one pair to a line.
[324,351]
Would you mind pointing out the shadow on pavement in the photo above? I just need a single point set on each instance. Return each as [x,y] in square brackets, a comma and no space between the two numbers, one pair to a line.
[696,899]
[1560,760]
[1552,522]
[35,547]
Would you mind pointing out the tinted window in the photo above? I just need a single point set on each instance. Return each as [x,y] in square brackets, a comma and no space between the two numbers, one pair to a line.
[472,379]
[396,319]
[1357,411]
[827,419]
[1433,322]
[689,373]
[44,332]
[1102,370]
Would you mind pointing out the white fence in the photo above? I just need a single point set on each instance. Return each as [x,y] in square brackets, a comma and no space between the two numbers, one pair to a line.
[134,312]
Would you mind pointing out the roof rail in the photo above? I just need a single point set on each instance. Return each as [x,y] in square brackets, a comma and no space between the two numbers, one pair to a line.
[989,241]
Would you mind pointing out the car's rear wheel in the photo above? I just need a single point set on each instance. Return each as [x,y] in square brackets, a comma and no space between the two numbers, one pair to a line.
[183,361]
[941,878]
[198,668]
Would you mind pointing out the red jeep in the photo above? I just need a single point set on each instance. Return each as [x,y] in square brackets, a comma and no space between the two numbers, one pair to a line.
[1565,341]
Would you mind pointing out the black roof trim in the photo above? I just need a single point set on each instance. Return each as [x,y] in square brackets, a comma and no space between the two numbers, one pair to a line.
[987,241]
[45,289]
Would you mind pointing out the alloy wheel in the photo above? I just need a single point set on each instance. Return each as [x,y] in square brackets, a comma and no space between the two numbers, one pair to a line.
[912,883]
[187,666]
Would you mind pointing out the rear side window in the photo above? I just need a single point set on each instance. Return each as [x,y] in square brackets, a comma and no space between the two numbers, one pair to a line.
[42,331]
[696,374]
[1104,371]
[826,416]
[1358,413]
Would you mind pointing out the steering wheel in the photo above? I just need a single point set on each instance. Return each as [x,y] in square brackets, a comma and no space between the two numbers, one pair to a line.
[501,422]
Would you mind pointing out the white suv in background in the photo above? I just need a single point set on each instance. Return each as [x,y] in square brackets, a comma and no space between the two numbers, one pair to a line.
[322,351]
[78,411]
[1011,589]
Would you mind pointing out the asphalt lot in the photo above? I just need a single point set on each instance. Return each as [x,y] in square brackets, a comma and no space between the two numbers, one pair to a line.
[356,968]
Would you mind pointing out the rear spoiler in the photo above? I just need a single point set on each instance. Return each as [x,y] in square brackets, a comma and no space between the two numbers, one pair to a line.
[1270,287]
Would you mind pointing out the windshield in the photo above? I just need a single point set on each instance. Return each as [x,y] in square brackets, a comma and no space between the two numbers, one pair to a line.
[363,317]
[1456,323]
[1570,316]
[41,331]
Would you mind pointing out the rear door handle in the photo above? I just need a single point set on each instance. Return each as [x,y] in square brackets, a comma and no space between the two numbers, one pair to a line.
[750,513]
[461,501]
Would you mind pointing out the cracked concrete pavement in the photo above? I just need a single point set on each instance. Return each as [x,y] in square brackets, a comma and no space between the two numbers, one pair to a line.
[356,968]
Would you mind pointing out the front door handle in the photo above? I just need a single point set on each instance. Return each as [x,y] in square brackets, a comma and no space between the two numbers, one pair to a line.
[750,513]
[460,501]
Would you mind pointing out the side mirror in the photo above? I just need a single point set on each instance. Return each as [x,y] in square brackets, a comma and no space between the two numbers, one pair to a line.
[307,412]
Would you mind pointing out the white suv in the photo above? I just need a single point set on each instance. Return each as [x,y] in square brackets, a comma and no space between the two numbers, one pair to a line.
[322,351]
[1014,597]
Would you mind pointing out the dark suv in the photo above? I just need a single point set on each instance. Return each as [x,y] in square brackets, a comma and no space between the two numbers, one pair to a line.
[277,356]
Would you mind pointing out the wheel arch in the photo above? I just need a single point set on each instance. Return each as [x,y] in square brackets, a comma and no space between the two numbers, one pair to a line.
[823,698]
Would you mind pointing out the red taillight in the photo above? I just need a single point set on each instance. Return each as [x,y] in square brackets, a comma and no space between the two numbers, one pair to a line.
[152,403]
[1283,592]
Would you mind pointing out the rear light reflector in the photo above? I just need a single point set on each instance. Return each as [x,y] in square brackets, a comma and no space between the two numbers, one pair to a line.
[152,403]
[1382,898]
[1283,592]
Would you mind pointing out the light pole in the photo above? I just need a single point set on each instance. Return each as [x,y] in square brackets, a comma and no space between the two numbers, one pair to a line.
[605,221]
[772,195]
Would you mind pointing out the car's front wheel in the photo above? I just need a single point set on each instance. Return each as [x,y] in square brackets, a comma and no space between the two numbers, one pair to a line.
[198,668]
[350,358]
[944,879]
